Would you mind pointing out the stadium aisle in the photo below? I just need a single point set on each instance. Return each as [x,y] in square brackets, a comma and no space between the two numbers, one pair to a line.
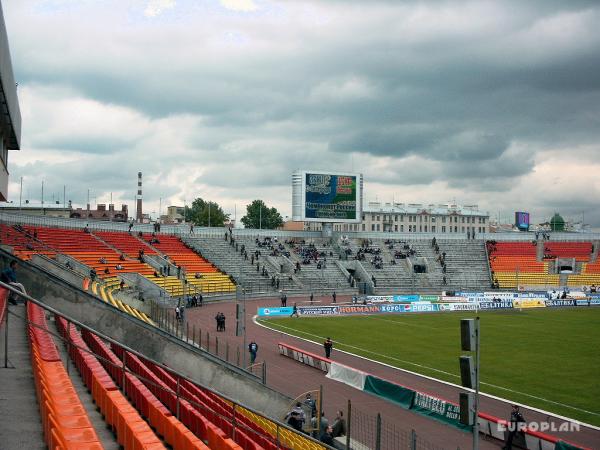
[20,424]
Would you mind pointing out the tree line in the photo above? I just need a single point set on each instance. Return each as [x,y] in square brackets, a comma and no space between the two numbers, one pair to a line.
[210,214]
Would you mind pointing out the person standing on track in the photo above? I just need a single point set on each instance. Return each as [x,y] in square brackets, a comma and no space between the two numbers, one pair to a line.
[516,425]
[253,349]
[294,311]
[328,345]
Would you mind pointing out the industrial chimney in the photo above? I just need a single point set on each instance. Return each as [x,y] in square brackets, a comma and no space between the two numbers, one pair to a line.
[139,198]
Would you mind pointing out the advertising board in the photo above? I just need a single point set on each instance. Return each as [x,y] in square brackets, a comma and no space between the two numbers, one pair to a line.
[275,311]
[529,303]
[495,305]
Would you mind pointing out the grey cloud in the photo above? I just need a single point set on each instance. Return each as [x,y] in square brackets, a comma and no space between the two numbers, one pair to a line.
[449,100]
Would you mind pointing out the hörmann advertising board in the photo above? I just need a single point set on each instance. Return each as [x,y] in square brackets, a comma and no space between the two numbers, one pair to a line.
[326,196]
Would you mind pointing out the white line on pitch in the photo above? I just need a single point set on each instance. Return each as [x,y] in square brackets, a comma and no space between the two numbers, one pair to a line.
[443,381]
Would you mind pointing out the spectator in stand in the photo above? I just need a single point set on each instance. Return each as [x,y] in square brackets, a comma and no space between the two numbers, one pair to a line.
[339,425]
[327,437]
[311,404]
[122,285]
[9,276]
[321,428]
[295,418]
[119,267]
[328,345]
[93,274]
[334,297]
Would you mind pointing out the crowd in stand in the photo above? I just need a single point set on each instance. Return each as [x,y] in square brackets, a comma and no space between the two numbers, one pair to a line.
[320,428]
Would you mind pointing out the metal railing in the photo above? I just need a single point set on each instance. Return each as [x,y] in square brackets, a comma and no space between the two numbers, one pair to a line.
[367,431]
[166,319]
[279,433]
[184,229]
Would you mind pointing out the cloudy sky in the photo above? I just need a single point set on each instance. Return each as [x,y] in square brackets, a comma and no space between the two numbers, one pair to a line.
[495,103]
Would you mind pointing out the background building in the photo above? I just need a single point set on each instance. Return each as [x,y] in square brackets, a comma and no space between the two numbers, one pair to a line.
[415,218]
[101,213]
[37,209]
[175,214]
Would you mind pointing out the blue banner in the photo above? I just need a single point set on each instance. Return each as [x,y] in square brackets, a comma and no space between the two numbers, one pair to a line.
[275,311]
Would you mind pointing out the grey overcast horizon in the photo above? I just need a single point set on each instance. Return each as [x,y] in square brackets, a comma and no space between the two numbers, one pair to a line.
[474,102]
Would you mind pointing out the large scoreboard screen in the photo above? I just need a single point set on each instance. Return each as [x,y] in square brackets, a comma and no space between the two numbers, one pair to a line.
[522,221]
[327,197]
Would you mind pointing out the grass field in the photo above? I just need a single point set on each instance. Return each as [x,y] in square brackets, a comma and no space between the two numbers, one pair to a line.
[547,358]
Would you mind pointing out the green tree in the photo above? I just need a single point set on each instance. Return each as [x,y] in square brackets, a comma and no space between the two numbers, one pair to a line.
[259,215]
[205,213]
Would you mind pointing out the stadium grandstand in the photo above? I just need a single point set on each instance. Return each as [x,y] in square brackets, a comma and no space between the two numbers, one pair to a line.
[122,316]
[108,339]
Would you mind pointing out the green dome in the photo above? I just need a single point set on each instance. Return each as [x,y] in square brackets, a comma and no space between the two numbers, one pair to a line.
[557,223]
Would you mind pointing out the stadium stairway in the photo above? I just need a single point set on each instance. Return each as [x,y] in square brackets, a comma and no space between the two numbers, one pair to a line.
[328,278]
[20,426]
[224,256]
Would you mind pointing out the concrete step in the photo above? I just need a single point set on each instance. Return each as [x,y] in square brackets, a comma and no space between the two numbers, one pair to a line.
[20,424]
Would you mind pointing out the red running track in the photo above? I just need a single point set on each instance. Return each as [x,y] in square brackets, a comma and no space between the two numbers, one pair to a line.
[293,378]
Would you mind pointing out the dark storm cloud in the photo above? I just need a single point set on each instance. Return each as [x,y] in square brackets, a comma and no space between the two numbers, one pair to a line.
[468,93]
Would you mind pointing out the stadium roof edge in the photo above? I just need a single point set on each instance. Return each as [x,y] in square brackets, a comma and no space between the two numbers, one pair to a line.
[10,117]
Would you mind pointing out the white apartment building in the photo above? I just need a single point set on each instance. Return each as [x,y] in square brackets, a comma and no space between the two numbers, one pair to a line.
[415,218]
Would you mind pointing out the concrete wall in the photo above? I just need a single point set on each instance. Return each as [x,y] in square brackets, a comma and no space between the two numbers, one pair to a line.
[51,266]
[150,341]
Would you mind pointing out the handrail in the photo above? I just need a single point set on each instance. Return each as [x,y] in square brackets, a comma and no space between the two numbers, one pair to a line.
[145,358]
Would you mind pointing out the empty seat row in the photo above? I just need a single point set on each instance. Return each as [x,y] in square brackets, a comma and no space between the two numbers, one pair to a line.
[64,420]
[131,430]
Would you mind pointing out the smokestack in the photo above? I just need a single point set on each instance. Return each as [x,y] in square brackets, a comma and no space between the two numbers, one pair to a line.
[139,198]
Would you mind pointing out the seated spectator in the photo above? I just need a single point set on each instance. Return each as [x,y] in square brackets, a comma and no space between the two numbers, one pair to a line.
[119,267]
[121,257]
[327,437]
[9,276]
[102,260]
[106,271]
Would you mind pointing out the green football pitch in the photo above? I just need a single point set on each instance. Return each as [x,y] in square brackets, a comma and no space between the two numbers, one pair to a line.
[546,358]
